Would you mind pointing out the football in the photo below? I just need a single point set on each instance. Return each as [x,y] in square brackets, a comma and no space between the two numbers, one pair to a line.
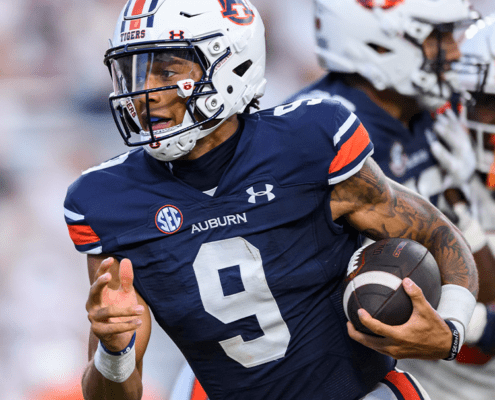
[374,281]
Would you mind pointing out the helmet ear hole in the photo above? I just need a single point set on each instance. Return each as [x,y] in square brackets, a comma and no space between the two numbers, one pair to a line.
[241,69]
[379,49]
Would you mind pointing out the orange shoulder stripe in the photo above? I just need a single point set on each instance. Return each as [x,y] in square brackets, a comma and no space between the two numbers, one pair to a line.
[351,149]
[82,234]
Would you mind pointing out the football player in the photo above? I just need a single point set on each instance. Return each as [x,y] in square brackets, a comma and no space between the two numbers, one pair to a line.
[474,370]
[235,228]
[390,63]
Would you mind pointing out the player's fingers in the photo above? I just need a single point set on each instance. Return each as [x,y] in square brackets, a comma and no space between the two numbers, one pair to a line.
[112,311]
[385,345]
[102,329]
[441,126]
[96,290]
[414,292]
[442,155]
[373,342]
[104,267]
[126,274]
[375,325]
[356,335]
[451,117]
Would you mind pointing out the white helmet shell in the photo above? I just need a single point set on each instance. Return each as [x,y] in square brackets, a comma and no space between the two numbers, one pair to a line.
[348,36]
[229,38]
[478,49]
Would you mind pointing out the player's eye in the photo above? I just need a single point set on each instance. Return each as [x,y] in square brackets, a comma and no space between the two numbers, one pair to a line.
[167,74]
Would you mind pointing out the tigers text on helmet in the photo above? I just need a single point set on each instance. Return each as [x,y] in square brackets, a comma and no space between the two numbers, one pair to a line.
[476,71]
[210,53]
[382,41]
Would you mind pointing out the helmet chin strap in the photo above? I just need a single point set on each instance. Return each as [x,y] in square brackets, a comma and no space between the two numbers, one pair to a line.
[177,146]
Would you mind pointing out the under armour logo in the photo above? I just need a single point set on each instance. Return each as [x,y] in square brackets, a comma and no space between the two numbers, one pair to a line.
[267,192]
[175,35]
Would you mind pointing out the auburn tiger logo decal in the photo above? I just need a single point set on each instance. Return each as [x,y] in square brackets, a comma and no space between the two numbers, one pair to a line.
[237,11]
[385,4]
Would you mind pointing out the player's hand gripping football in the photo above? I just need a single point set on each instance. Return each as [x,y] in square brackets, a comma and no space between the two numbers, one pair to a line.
[114,312]
[425,335]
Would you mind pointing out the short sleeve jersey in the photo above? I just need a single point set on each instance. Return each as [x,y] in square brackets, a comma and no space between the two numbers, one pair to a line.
[246,282]
[403,153]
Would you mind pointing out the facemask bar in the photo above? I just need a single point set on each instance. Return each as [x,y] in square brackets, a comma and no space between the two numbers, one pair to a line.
[474,70]
[485,157]
[124,119]
[122,105]
[437,66]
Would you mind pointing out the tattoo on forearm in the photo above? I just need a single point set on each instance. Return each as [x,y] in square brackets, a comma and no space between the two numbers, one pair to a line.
[380,209]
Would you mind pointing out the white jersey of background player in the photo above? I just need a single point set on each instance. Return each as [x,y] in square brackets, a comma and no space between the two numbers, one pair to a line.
[473,379]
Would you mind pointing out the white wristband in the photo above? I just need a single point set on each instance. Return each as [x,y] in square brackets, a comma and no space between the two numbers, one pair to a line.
[457,305]
[470,228]
[477,324]
[115,368]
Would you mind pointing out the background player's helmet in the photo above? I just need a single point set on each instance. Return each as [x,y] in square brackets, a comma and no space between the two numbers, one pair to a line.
[477,75]
[224,37]
[349,34]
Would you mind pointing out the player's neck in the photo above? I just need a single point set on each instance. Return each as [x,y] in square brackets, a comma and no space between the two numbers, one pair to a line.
[214,139]
[401,107]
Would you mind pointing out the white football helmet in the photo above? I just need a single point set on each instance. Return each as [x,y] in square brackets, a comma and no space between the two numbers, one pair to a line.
[351,34]
[477,75]
[225,38]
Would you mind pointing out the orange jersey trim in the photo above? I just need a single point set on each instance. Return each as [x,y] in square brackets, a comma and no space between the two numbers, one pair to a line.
[403,385]
[198,393]
[351,149]
[82,234]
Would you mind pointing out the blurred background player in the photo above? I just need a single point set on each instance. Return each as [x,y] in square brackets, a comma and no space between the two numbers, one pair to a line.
[390,62]
[472,375]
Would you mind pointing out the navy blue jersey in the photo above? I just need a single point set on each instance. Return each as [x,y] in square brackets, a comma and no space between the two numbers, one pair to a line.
[402,153]
[246,282]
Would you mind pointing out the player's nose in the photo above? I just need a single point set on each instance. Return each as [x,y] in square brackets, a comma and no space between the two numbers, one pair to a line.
[451,48]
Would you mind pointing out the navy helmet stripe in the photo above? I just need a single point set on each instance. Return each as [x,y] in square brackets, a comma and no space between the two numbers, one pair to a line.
[122,29]
[151,18]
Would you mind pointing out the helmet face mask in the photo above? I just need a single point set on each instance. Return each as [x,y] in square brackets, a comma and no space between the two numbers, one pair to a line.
[400,27]
[201,56]
[142,78]
[481,123]
[476,71]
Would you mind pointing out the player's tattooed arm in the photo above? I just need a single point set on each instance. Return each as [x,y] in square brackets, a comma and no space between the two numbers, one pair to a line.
[380,208]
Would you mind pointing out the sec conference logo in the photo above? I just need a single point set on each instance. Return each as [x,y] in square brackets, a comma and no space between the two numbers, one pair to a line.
[168,219]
